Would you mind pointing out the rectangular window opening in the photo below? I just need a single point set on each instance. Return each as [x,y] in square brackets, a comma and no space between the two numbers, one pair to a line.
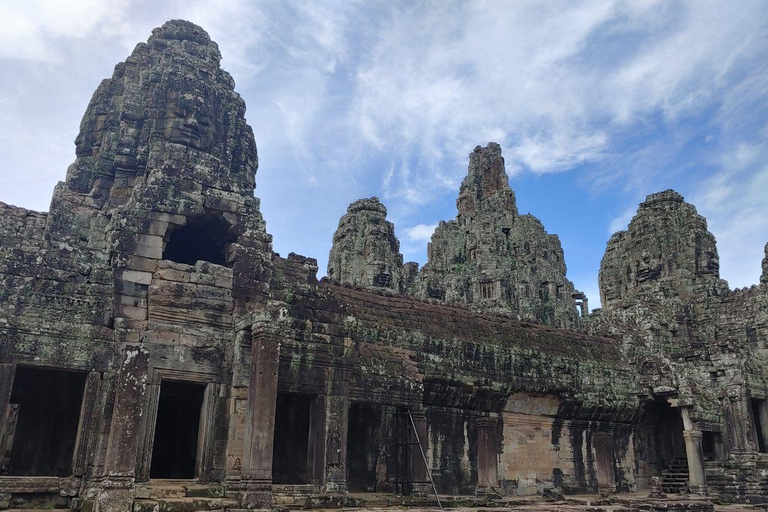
[709,442]
[364,440]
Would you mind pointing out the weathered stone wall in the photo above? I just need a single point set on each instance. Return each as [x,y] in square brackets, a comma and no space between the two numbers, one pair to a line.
[459,366]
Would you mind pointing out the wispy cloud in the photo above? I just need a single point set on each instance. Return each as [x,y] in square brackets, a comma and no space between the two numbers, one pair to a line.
[30,30]
[420,232]
[352,98]
[734,202]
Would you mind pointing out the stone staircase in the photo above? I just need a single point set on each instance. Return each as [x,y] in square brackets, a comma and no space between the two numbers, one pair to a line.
[675,476]
[160,496]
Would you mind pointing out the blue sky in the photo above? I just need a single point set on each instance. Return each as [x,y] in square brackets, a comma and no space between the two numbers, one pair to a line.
[596,104]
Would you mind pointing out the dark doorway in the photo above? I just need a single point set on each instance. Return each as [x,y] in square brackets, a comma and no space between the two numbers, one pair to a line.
[368,443]
[756,406]
[290,456]
[47,406]
[669,433]
[709,444]
[205,238]
[174,450]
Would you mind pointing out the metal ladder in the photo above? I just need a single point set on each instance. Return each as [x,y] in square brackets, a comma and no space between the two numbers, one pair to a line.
[404,445]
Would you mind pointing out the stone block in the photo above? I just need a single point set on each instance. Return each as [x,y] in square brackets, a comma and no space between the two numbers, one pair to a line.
[138,277]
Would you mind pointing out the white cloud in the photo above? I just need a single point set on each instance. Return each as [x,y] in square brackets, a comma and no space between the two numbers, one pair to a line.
[420,232]
[30,30]
[621,222]
[735,205]
[351,98]
[551,81]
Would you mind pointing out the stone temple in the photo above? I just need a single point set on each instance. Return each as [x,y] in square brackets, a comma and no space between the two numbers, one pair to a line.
[157,355]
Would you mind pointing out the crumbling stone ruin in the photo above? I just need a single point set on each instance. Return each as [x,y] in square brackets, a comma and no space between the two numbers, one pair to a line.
[490,258]
[156,354]
[365,250]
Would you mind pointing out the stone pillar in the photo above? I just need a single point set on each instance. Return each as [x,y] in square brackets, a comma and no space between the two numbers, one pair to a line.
[117,488]
[260,423]
[738,422]
[337,423]
[694,453]
[487,456]
[602,443]
[418,469]
[317,439]
[85,425]
[7,373]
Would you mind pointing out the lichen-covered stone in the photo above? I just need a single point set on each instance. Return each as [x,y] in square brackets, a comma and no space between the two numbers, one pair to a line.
[695,342]
[494,259]
[365,250]
[666,252]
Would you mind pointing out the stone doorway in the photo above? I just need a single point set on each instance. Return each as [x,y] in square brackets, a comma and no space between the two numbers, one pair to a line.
[758,413]
[371,448]
[176,443]
[291,460]
[45,411]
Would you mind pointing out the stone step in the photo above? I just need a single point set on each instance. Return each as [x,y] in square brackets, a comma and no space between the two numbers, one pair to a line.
[183,504]
[37,510]
[163,490]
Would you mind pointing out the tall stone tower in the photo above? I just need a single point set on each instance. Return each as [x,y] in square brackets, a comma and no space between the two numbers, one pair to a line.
[492,258]
[365,250]
[666,252]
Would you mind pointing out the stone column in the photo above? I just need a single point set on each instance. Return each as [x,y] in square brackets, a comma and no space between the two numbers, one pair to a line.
[317,439]
[85,425]
[697,479]
[738,422]
[602,443]
[260,423]
[7,373]
[487,457]
[418,469]
[337,423]
[117,488]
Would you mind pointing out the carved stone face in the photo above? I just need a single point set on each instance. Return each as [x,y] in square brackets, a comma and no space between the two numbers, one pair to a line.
[648,267]
[379,274]
[186,121]
[611,289]
[707,263]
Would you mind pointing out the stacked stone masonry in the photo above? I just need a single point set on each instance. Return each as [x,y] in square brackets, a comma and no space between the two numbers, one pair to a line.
[156,354]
